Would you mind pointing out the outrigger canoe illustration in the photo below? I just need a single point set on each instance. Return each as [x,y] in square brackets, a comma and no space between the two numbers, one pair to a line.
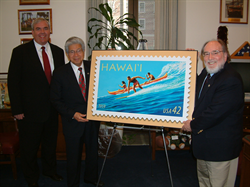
[143,84]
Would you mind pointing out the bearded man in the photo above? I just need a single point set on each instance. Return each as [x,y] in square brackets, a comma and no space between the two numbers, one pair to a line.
[216,123]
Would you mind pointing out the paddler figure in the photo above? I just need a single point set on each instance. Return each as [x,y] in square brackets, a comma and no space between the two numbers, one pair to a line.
[134,81]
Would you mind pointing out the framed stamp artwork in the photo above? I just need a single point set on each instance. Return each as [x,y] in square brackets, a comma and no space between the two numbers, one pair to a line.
[26,17]
[234,11]
[34,2]
[147,87]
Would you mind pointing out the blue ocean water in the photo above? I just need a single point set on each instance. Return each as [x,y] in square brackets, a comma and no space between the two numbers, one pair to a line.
[161,98]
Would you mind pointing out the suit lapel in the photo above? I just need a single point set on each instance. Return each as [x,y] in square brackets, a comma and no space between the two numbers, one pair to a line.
[36,63]
[87,73]
[72,78]
[54,55]
[200,80]
[206,87]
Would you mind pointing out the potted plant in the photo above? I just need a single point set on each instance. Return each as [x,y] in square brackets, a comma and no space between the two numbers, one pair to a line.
[111,29]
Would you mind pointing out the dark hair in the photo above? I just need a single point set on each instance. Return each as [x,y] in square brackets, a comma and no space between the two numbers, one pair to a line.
[123,82]
[222,34]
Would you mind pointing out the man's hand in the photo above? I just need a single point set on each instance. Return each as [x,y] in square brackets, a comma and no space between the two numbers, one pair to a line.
[80,117]
[186,126]
[190,49]
[19,116]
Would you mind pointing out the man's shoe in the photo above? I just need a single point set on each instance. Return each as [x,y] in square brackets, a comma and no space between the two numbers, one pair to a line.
[94,183]
[55,177]
[33,185]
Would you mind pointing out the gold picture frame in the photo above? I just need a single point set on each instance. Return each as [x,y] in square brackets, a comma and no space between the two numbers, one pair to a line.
[166,101]
[234,11]
[25,40]
[26,16]
[34,2]
[4,95]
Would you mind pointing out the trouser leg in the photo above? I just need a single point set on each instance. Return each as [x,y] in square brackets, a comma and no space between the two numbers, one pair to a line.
[29,137]
[74,146]
[202,172]
[48,146]
[91,145]
[214,174]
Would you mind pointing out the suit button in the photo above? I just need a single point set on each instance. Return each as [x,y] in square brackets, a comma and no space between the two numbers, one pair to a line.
[200,131]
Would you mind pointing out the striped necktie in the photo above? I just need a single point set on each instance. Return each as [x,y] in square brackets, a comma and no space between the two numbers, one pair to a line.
[82,84]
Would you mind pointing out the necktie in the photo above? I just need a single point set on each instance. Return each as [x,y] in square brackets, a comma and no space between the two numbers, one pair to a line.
[82,84]
[46,65]
[204,83]
[207,78]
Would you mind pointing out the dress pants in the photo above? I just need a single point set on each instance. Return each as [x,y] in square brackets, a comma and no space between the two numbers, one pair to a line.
[217,174]
[32,135]
[74,147]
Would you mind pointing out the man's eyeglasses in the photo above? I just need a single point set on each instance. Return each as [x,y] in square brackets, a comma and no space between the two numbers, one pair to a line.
[78,51]
[213,53]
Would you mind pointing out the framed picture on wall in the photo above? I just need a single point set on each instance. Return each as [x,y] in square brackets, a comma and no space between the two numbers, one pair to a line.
[4,95]
[34,2]
[146,87]
[26,17]
[232,11]
[25,40]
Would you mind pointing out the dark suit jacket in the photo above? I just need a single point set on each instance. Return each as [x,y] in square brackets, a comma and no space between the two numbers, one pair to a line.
[68,99]
[27,83]
[217,117]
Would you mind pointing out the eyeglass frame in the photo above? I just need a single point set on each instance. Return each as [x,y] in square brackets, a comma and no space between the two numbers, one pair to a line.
[78,51]
[213,53]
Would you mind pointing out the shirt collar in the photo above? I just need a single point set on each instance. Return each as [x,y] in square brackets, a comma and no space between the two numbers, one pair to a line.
[75,68]
[38,46]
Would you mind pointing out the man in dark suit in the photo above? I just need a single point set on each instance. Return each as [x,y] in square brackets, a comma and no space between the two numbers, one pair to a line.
[29,91]
[69,94]
[217,118]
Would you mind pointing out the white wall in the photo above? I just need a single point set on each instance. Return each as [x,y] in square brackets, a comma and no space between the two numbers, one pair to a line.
[68,19]
[198,22]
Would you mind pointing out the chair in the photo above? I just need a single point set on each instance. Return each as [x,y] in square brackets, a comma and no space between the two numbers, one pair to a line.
[9,144]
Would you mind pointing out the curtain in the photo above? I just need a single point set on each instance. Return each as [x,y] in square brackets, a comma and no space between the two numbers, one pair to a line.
[166,24]
[92,14]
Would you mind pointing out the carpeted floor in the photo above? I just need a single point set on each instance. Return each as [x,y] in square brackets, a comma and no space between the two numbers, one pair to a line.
[131,167]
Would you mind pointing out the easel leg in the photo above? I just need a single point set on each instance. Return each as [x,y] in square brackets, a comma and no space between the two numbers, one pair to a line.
[150,147]
[115,125]
[165,147]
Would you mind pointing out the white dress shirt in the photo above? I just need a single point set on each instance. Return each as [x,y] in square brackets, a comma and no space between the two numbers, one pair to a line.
[77,72]
[49,53]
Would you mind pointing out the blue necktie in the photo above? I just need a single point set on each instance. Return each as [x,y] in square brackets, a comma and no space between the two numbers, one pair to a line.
[204,83]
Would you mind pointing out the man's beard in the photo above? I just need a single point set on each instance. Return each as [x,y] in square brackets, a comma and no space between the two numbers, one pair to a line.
[214,70]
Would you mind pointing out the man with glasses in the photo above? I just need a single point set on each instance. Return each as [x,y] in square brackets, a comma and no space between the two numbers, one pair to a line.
[29,77]
[69,94]
[216,123]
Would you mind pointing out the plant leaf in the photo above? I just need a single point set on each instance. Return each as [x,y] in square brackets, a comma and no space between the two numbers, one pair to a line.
[104,11]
